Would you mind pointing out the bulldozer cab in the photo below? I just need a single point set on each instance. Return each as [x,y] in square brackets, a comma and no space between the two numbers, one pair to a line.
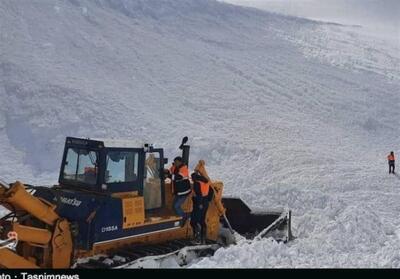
[114,189]
[112,167]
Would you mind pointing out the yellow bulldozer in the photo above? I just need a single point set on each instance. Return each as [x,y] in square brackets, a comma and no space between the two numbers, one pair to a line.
[112,208]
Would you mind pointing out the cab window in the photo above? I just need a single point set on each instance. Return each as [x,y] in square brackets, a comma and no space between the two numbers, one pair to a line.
[81,166]
[121,166]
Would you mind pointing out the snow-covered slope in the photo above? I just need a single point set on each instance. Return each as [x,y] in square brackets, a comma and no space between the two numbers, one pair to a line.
[286,111]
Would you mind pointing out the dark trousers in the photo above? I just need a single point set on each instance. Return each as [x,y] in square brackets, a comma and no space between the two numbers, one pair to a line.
[178,202]
[198,218]
[391,167]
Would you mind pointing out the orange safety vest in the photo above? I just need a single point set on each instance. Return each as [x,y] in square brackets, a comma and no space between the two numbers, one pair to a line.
[390,157]
[183,170]
[182,186]
[204,188]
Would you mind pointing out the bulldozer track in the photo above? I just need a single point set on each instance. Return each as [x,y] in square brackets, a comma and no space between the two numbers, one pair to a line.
[136,253]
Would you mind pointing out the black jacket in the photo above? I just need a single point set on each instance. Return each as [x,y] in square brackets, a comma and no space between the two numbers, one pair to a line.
[181,184]
[196,177]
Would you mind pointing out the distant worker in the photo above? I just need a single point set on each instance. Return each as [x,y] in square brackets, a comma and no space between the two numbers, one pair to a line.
[179,174]
[391,161]
[202,196]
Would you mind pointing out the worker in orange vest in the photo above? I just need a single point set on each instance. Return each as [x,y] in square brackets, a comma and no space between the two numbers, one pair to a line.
[391,161]
[202,194]
[179,174]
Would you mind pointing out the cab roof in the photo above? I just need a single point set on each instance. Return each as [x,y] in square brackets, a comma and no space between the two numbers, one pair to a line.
[107,143]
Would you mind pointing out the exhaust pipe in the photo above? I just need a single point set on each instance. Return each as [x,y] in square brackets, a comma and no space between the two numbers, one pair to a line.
[185,151]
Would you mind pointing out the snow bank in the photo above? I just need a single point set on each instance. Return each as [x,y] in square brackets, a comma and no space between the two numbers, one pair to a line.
[353,238]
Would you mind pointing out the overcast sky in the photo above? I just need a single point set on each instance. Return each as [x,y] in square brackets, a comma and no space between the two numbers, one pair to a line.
[380,16]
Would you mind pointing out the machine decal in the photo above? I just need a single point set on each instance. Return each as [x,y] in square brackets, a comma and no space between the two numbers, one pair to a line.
[109,229]
[73,202]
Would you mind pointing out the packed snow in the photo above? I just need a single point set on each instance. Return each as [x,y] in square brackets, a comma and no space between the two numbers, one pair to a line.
[287,112]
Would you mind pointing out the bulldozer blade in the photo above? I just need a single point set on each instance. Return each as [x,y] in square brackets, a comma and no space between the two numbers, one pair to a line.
[256,225]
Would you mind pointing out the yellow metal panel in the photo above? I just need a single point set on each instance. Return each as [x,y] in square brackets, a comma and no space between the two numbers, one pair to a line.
[124,195]
[19,197]
[31,234]
[169,197]
[133,209]
[62,245]
[8,259]
[187,206]
[215,210]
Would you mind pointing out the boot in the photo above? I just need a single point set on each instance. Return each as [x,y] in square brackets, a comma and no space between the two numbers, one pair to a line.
[197,234]
[203,236]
